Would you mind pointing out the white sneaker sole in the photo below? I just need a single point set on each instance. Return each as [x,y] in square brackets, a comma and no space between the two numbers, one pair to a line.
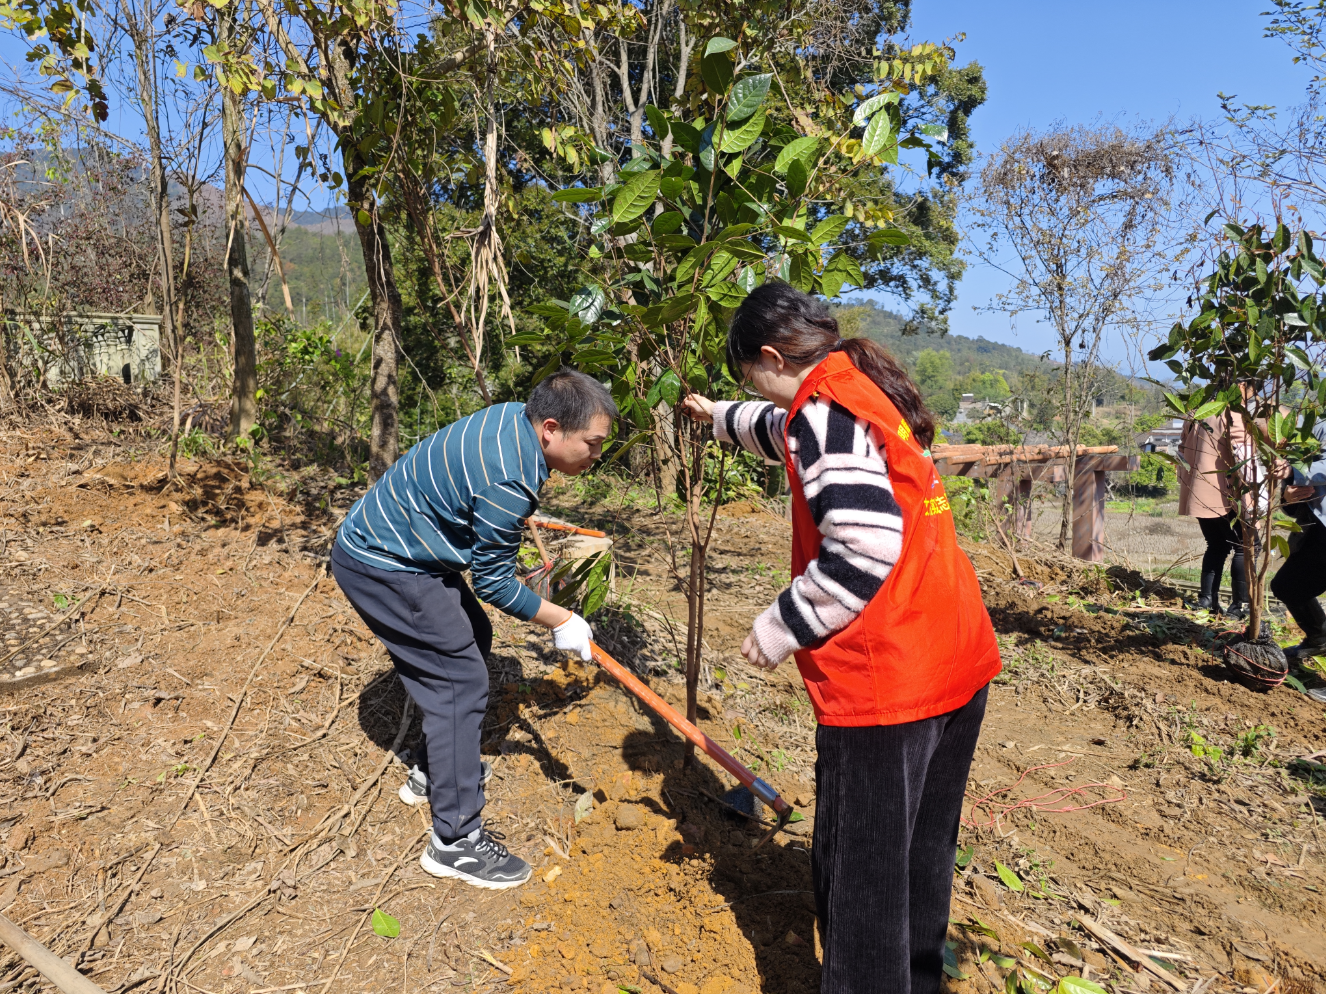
[437,869]
[410,797]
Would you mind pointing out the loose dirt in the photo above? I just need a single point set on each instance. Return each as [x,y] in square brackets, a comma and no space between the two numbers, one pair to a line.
[1105,802]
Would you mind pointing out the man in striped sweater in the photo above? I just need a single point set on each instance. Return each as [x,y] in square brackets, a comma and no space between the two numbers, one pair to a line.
[458,501]
[841,465]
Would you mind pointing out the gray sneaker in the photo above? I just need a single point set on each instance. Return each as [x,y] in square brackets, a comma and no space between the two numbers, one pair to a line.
[479,859]
[415,789]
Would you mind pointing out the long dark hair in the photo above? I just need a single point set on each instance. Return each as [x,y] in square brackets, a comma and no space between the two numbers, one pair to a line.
[803,331]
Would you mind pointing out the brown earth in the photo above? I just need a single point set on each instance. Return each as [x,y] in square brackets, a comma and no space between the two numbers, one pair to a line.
[268,877]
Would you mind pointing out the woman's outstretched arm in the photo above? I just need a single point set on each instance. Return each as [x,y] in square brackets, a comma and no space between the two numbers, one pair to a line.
[845,478]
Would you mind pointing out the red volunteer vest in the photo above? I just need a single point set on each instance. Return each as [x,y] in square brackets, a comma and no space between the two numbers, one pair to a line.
[924,644]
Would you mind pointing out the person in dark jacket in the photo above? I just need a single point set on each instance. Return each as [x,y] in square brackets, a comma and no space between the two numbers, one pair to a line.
[1302,577]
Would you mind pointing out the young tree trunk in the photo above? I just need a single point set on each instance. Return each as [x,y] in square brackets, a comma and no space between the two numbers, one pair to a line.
[243,397]
[1070,439]
[384,385]
[147,93]
[693,474]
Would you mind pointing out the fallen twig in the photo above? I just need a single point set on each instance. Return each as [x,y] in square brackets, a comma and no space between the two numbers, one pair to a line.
[128,893]
[1105,936]
[239,703]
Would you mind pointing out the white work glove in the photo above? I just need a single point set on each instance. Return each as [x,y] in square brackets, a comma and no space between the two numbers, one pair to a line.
[574,635]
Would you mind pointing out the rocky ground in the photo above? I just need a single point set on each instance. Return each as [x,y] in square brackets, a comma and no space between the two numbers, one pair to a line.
[201,751]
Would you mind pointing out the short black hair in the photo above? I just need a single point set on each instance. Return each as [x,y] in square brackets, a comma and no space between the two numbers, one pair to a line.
[570,398]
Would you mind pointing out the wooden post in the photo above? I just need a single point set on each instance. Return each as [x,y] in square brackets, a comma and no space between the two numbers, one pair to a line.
[1014,469]
[1025,516]
[1089,515]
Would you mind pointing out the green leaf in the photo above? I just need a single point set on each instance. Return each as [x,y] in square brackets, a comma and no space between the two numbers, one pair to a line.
[840,269]
[890,236]
[737,230]
[579,195]
[587,304]
[1209,408]
[796,234]
[951,964]
[868,106]
[1281,240]
[828,229]
[676,243]
[686,268]
[936,131]
[658,122]
[686,136]
[716,71]
[796,816]
[1036,951]
[1003,962]
[635,196]
[1296,683]
[797,177]
[666,388]
[707,146]
[979,927]
[879,132]
[1011,880]
[963,857]
[801,272]
[719,44]
[385,925]
[1076,985]
[800,149]
[743,136]
[747,96]
[720,267]
[726,294]
[675,308]
[667,222]
[744,249]
[524,338]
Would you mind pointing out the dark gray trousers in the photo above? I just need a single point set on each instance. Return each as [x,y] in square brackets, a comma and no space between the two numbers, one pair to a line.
[438,637]
[886,830]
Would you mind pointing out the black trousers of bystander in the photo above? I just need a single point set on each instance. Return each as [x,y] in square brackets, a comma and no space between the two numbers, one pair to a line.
[1223,536]
[889,798]
[1302,579]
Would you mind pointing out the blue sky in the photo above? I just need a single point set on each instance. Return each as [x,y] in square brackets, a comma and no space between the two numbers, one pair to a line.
[1079,62]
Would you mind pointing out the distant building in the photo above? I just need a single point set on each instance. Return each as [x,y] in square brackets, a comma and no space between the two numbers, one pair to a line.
[1162,438]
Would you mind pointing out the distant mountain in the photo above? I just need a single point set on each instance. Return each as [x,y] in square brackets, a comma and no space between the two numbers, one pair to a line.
[970,355]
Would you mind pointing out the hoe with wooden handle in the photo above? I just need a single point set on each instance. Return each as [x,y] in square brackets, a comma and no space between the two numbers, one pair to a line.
[674,718]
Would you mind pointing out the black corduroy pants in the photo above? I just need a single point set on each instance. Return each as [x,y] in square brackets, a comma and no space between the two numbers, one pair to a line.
[888,800]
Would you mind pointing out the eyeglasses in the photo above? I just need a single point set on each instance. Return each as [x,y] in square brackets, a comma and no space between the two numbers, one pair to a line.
[746,388]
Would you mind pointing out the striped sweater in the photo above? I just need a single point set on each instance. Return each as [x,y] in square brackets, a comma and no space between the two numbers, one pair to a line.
[839,459]
[458,500]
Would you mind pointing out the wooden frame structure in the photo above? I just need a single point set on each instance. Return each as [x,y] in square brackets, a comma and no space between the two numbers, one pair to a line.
[1015,468]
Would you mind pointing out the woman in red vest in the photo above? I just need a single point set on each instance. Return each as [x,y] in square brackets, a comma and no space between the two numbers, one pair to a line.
[885,619]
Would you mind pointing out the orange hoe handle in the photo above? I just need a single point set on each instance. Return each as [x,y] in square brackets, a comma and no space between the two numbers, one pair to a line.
[573,529]
[674,718]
